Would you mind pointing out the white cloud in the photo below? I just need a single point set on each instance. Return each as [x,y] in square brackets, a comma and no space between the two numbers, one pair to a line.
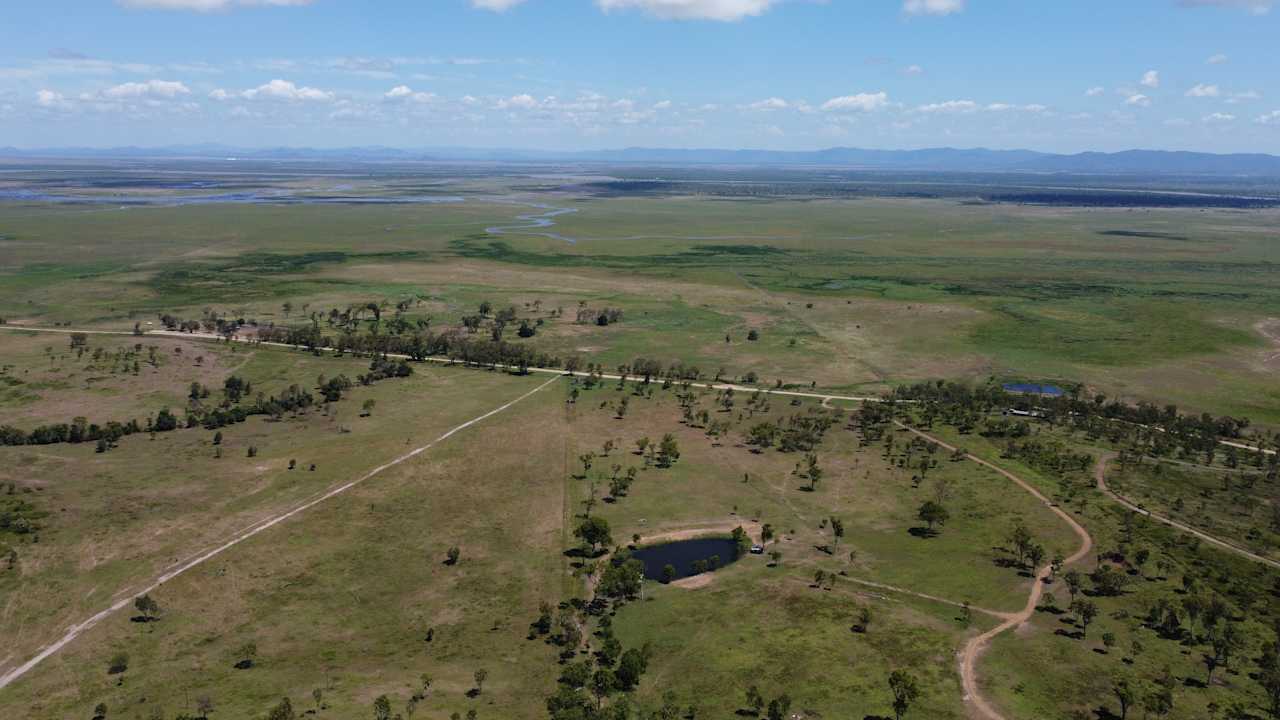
[1007,107]
[1151,79]
[1094,91]
[152,88]
[932,7]
[1138,100]
[1202,90]
[220,94]
[404,92]
[495,5]
[773,103]
[1216,59]
[50,99]
[913,70]
[286,90]
[862,102]
[1219,117]
[518,102]
[723,10]
[950,106]
[205,5]
[1270,118]
[1256,7]
[662,105]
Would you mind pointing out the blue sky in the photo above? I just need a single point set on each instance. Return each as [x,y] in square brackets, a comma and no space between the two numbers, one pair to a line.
[576,74]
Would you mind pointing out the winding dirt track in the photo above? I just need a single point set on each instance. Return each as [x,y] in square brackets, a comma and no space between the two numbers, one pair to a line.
[980,706]
[78,629]
[1101,477]
[969,655]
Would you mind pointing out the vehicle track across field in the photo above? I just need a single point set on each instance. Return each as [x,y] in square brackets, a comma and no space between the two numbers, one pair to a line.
[80,628]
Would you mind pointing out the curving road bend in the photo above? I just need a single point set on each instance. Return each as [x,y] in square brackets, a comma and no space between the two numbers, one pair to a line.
[973,649]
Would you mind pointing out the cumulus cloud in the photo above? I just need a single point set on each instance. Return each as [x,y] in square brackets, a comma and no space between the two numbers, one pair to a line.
[1138,100]
[950,106]
[1271,118]
[1094,91]
[495,5]
[50,99]
[285,90]
[206,5]
[662,105]
[406,93]
[518,102]
[913,70]
[275,90]
[773,103]
[1255,7]
[932,7]
[167,89]
[1219,117]
[861,102]
[1151,79]
[1203,91]
[722,10]
[1216,59]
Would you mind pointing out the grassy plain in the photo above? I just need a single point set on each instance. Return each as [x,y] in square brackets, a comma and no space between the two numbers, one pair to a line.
[1169,306]
[1161,304]
[341,597]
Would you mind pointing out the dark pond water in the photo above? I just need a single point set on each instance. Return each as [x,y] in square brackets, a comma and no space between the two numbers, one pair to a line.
[682,554]
[1033,389]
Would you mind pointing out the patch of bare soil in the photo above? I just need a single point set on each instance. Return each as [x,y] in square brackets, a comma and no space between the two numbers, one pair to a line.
[1270,329]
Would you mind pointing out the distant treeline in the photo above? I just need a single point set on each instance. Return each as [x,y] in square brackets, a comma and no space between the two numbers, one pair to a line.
[233,409]
[1130,198]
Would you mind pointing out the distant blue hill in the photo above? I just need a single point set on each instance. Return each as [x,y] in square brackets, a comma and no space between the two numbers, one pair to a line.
[1129,162]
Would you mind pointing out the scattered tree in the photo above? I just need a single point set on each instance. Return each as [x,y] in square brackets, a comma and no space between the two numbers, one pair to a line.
[905,690]
[933,514]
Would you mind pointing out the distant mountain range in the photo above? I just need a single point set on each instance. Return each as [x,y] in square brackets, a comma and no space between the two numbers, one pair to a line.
[1129,162]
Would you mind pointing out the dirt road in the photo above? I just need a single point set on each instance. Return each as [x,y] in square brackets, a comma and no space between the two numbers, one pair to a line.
[981,707]
[78,629]
[1101,476]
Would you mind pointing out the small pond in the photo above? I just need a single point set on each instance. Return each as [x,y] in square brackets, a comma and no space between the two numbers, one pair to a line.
[1033,389]
[683,554]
